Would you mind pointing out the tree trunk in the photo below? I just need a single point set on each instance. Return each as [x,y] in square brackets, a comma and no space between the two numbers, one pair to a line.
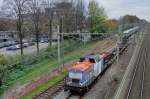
[2,74]
[36,27]
[20,35]
[20,38]
[0,82]
[21,46]
[37,42]
[61,28]
[50,32]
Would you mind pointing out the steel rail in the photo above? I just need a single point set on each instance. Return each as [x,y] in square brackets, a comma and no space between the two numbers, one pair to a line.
[71,96]
[135,72]
[143,76]
[144,72]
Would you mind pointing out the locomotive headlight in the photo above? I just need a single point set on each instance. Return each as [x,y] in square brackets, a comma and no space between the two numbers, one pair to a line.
[69,82]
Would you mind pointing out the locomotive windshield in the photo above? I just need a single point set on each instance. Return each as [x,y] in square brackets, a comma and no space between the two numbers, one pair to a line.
[92,60]
[82,59]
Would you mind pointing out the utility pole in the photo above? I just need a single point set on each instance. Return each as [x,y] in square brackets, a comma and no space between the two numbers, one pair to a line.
[118,51]
[61,37]
[119,36]
[138,37]
[58,45]
[134,38]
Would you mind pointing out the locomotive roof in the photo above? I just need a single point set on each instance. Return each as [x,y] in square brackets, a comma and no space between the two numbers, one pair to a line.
[90,56]
[82,66]
[129,30]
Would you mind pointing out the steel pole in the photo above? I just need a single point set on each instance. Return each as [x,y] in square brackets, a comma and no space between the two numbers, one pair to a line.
[119,36]
[58,45]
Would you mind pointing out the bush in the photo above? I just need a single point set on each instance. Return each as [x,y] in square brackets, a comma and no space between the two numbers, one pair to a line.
[3,60]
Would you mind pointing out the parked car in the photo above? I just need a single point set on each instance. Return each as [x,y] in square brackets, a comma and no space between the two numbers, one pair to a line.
[7,44]
[44,40]
[31,43]
[25,45]
[15,47]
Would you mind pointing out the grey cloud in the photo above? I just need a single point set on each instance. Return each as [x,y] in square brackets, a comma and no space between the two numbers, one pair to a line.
[117,8]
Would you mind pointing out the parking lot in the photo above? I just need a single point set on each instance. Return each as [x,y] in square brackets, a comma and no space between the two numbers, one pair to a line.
[28,50]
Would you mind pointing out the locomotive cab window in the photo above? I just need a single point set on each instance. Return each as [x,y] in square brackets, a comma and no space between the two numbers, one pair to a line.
[92,60]
[97,59]
[82,59]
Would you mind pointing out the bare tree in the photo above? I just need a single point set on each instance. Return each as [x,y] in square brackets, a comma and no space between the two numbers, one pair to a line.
[73,11]
[67,15]
[35,14]
[48,4]
[80,15]
[17,9]
[6,24]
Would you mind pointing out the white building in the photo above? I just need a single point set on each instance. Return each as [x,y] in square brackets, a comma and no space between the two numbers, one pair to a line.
[7,38]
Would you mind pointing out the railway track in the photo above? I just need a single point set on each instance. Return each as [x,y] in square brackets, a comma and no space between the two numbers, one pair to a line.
[139,84]
[67,95]
[56,90]
[74,96]
[51,91]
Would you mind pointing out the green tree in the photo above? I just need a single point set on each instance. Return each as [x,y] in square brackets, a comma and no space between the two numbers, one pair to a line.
[97,17]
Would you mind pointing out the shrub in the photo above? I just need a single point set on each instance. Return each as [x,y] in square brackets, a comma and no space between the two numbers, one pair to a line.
[3,60]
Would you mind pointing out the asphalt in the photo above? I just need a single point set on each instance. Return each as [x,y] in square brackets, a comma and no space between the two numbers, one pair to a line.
[28,50]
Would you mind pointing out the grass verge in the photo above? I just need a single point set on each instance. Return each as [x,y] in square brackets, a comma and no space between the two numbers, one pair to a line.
[45,86]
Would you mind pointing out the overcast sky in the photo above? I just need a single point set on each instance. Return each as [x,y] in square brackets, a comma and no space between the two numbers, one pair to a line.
[1,2]
[117,8]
